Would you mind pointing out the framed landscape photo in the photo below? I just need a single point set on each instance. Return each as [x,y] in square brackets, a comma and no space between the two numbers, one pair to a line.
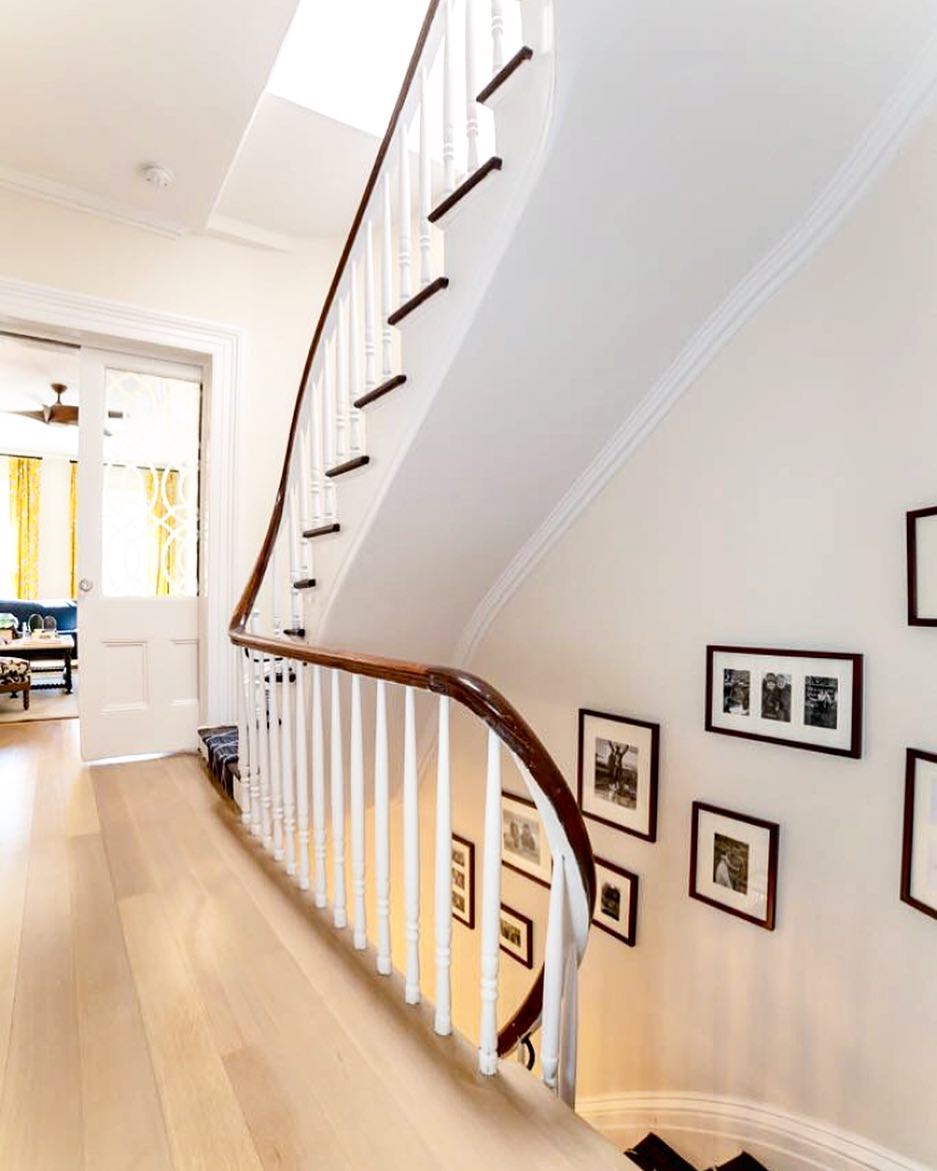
[803,699]
[516,936]
[922,567]
[734,863]
[463,881]
[919,852]
[524,845]
[616,904]
[618,765]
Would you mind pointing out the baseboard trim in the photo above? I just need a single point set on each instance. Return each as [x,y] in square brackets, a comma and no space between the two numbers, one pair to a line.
[708,1129]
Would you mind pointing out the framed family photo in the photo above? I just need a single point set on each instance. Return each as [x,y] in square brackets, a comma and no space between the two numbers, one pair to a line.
[616,904]
[618,766]
[922,566]
[516,936]
[919,852]
[524,845]
[734,863]
[463,881]
[803,699]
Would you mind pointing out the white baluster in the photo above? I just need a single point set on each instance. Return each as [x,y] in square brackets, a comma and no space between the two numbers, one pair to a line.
[382,830]
[443,900]
[355,419]
[491,912]
[370,349]
[411,851]
[341,379]
[403,236]
[292,538]
[497,35]
[258,757]
[339,911]
[448,117]
[302,774]
[387,285]
[357,816]
[266,794]
[305,467]
[303,554]
[569,1030]
[245,755]
[320,881]
[276,774]
[426,189]
[471,87]
[553,972]
[330,420]
[289,779]
[275,583]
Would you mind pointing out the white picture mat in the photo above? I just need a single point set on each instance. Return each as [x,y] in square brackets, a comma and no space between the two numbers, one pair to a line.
[755,901]
[924,843]
[596,728]
[798,668]
[511,807]
[926,546]
[623,925]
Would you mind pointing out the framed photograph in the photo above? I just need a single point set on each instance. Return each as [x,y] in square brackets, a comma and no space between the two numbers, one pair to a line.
[734,863]
[922,567]
[919,853]
[463,881]
[618,759]
[803,699]
[516,936]
[616,904]
[524,845]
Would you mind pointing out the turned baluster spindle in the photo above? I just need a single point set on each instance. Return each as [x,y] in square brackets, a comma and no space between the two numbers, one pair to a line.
[331,423]
[404,211]
[293,545]
[387,284]
[471,88]
[245,756]
[448,103]
[553,973]
[343,440]
[443,893]
[411,852]
[305,467]
[370,348]
[320,880]
[266,753]
[258,763]
[355,418]
[302,775]
[286,755]
[276,774]
[426,188]
[337,777]
[491,912]
[382,830]
[497,35]
[356,768]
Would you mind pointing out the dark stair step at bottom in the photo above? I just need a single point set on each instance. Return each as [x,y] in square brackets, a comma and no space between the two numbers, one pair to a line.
[742,1162]
[653,1154]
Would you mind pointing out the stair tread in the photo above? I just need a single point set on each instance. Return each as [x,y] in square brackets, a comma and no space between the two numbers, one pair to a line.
[493,164]
[502,75]
[349,465]
[742,1162]
[379,391]
[304,583]
[436,286]
[653,1154]
[322,530]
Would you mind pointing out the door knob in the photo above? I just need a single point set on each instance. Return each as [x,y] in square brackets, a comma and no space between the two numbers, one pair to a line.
[86,585]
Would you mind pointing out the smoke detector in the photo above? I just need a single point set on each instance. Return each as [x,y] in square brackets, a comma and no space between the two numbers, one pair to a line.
[158,177]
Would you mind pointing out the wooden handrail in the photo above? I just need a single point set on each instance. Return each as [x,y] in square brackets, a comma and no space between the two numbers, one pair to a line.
[468,690]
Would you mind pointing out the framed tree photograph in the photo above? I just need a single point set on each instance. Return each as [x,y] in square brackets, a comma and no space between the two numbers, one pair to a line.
[524,845]
[802,699]
[616,904]
[919,852]
[922,566]
[734,863]
[463,881]
[617,775]
[516,935]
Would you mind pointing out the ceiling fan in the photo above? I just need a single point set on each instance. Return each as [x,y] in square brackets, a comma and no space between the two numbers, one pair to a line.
[59,412]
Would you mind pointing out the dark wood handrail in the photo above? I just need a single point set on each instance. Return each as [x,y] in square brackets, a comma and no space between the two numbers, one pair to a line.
[469,690]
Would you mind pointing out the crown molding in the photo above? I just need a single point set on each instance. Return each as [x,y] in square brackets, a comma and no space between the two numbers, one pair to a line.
[712,1128]
[908,105]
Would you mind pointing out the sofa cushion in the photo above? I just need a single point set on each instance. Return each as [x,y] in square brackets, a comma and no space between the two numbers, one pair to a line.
[13,670]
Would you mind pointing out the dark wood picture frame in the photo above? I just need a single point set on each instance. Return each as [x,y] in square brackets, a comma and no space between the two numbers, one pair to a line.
[587,713]
[510,865]
[912,756]
[911,522]
[467,920]
[774,839]
[630,939]
[856,660]
[528,961]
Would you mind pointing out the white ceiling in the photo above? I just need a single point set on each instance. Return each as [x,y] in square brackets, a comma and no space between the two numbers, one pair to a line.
[26,369]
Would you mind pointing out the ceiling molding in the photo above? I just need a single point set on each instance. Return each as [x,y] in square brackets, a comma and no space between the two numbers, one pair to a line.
[908,105]
[85,201]
[239,232]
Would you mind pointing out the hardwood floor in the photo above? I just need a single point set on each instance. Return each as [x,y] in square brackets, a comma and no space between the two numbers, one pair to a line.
[169,1001]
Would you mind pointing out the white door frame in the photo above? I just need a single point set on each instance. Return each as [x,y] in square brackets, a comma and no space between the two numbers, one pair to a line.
[116,325]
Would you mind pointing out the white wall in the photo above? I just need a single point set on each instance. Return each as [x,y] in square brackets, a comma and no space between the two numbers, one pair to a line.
[273,297]
[768,509]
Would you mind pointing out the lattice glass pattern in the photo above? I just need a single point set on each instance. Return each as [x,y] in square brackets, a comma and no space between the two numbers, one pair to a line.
[149,520]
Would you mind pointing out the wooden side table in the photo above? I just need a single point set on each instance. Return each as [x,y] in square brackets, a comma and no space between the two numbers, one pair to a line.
[38,649]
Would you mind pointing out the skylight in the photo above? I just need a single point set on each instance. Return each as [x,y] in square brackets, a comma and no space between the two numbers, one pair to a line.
[346,58]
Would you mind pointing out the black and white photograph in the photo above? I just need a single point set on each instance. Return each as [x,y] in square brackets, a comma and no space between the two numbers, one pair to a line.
[463,880]
[919,848]
[734,863]
[801,699]
[524,847]
[616,904]
[617,779]
[516,936]
[922,566]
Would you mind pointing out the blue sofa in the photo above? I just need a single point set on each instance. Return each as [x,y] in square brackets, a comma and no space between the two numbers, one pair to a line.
[63,610]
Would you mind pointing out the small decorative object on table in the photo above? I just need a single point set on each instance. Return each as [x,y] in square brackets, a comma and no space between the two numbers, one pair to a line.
[734,863]
[618,762]
[919,854]
[803,699]
[516,933]
[463,881]
[524,845]
[616,906]
[922,566]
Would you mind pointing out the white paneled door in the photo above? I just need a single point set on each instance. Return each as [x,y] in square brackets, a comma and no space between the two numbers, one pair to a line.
[138,555]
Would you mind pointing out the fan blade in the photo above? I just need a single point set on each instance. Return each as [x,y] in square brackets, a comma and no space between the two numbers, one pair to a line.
[40,415]
[115,414]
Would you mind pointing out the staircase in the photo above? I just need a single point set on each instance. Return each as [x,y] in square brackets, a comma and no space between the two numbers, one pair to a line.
[653,1154]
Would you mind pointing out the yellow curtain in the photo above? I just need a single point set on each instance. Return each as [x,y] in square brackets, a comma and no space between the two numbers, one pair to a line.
[24,515]
[162,492]
[72,528]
